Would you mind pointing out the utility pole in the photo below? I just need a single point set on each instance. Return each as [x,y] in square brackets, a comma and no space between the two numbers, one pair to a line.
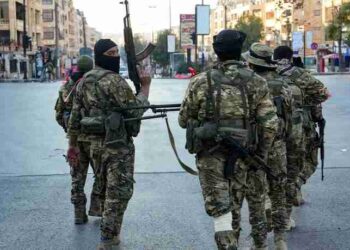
[24,40]
[57,31]
[84,31]
[202,60]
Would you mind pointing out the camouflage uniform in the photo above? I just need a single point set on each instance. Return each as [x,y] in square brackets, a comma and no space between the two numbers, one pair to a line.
[63,109]
[260,56]
[220,193]
[295,147]
[314,93]
[115,165]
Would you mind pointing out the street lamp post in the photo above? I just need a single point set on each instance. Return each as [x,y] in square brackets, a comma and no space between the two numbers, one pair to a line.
[24,40]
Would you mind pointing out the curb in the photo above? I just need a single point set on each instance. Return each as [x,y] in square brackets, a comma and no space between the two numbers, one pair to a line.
[331,73]
[22,81]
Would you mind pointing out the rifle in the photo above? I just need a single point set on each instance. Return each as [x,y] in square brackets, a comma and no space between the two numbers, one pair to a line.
[132,58]
[237,151]
[163,109]
[321,126]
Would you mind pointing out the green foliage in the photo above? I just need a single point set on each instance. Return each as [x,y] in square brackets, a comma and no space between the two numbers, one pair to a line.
[160,54]
[253,27]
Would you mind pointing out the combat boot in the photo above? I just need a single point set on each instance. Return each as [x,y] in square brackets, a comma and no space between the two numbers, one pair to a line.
[225,240]
[80,216]
[280,241]
[290,224]
[95,207]
[109,244]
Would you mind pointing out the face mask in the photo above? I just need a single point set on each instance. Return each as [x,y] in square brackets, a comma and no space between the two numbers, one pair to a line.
[111,63]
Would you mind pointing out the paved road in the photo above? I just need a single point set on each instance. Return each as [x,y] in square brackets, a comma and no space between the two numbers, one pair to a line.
[166,211]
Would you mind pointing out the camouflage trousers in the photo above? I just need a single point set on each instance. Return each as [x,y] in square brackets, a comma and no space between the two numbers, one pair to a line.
[295,162]
[311,154]
[79,175]
[219,192]
[116,173]
[277,161]
[255,194]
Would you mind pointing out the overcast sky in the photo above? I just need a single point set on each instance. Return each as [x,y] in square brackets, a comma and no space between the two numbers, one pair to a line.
[107,15]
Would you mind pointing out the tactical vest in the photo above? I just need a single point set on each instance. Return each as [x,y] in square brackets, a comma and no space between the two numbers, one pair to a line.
[227,114]
[276,91]
[101,116]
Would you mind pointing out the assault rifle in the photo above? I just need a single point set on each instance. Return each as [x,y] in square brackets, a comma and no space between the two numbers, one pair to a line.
[237,151]
[132,58]
[162,110]
[321,126]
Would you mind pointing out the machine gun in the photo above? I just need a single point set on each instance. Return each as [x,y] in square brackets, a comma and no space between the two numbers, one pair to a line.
[132,58]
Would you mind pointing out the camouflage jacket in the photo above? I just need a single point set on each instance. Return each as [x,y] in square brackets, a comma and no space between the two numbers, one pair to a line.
[285,91]
[260,107]
[115,89]
[314,91]
[64,102]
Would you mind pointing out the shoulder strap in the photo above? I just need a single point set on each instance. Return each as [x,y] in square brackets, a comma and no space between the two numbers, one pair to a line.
[210,95]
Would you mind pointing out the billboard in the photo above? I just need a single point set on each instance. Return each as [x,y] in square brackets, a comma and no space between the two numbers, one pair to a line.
[297,40]
[203,19]
[171,43]
[187,27]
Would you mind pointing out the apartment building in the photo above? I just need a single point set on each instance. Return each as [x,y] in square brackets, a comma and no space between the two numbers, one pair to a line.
[12,16]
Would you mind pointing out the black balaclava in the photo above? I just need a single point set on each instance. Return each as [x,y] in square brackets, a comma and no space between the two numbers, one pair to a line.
[107,62]
[283,52]
[228,44]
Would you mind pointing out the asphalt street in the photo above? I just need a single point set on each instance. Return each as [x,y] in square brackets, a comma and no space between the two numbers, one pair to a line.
[166,211]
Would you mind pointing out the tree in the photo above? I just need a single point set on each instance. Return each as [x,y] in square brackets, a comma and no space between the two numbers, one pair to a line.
[253,27]
[160,54]
[335,31]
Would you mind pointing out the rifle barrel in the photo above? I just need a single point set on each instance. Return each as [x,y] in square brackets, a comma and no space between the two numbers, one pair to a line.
[145,118]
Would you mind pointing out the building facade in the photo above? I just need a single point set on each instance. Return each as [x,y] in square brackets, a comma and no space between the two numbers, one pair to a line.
[13,15]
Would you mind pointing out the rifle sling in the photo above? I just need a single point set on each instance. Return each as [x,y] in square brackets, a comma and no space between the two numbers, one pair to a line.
[173,145]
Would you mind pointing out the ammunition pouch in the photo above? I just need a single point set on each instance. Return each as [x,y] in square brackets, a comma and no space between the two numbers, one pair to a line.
[93,125]
[133,128]
[193,143]
[116,134]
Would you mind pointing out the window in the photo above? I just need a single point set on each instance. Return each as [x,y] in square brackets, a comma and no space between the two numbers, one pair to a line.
[317,12]
[47,2]
[47,15]
[19,11]
[49,33]
[4,11]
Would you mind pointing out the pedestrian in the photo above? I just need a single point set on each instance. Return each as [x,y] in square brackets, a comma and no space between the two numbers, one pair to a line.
[63,109]
[314,94]
[225,106]
[99,93]
[259,59]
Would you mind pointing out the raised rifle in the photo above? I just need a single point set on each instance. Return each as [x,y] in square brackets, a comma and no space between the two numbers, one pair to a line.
[132,58]
[321,126]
